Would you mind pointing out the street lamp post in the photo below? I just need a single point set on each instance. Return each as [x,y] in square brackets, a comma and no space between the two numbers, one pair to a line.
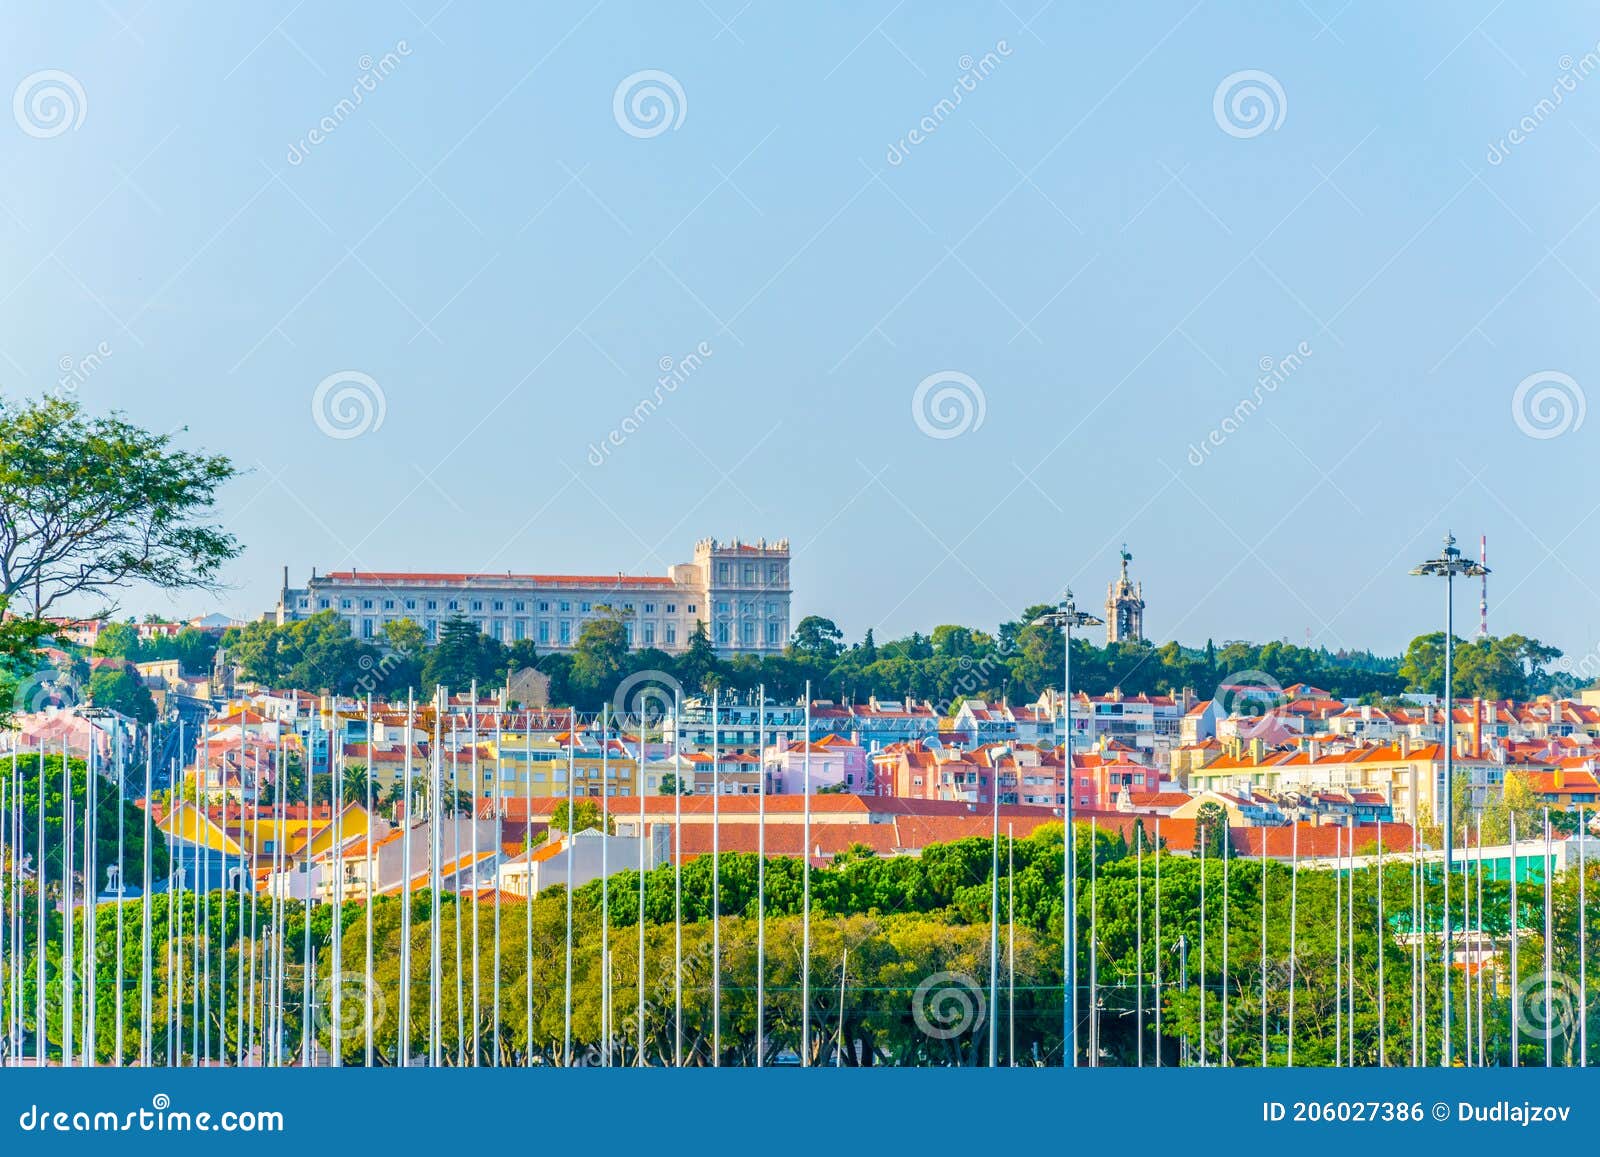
[1449,564]
[1066,616]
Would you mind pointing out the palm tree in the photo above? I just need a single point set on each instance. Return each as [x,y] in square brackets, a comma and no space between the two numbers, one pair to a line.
[356,777]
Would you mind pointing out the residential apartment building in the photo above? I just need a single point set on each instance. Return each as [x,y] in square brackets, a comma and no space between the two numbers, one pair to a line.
[740,590]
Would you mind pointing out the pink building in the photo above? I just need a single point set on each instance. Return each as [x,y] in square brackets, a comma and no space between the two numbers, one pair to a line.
[835,763]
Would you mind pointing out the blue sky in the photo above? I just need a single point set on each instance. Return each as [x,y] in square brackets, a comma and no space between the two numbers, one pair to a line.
[1104,256]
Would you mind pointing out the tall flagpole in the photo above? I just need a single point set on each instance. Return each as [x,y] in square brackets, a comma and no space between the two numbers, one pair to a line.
[571,851]
[994,909]
[1583,937]
[1138,951]
[455,906]
[1205,834]
[435,852]
[640,781]
[40,879]
[677,881]
[805,892]
[472,826]
[336,769]
[1011,947]
[1294,919]
[761,874]
[67,906]
[605,885]
[122,891]
[1227,905]
[1157,958]
[716,882]
[1263,947]
[371,894]
[409,803]
[499,837]
[1516,979]
[527,883]
[146,892]
[1382,944]
[1549,933]
[1094,955]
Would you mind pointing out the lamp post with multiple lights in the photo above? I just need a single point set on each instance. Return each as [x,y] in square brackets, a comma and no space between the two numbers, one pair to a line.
[1066,616]
[1448,565]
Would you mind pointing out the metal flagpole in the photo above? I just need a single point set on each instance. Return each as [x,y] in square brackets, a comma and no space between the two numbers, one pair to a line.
[1138,953]
[1467,1053]
[1583,937]
[1516,979]
[640,781]
[716,882]
[605,887]
[1094,953]
[368,897]
[91,889]
[336,769]
[409,804]
[122,891]
[527,883]
[1263,947]
[1338,948]
[147,892]
[1205,838]
[1350,940]
[677,881]
[994,909]
[571,851]
[1482,1044]
[1157,958]
[1381,944]
[455,905]
[1294,915]
[40,879]
[1418,932]
[761,874]
[805,889]
[435,852]
[1011,950]
[1227,903]
[1549,933]
[472,831]
[499,819]
[67,838]
[307,977]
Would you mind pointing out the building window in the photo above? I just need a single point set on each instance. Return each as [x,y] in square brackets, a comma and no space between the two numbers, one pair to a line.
[724,572]
[519,629]
[649,608]
[722,633]
[452,605]
[544,630]
[672,608]
[566,631]
[344,604]
[366,628]
[692,608]
[544,606]
[772,634]
[431,605]
[500,630]
[749,573]
[672,634]
[411,604]
[747,634]
[565,606]
[477,604]
[304,603]
[366,604]
[722,608]
[649,634]
[517,606]
[388,604]
[585,607]
[433,630]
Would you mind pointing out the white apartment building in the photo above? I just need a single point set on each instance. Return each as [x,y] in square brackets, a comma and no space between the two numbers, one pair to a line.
[740,590]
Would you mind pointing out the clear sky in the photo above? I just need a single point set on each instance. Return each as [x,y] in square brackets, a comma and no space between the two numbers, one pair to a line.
[1105,246]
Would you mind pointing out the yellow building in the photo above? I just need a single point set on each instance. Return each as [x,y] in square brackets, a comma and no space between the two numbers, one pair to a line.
[536,767]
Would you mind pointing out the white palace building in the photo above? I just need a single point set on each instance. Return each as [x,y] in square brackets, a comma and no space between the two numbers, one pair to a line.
[740,590]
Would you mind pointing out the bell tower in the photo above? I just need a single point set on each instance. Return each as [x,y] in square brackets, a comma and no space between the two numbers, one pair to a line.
[1124,606]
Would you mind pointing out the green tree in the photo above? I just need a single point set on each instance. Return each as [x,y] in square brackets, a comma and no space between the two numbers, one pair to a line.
[121,689]
[588,816]
[699,669]
[601,652]
[463,655]
[815,640]
[118,640]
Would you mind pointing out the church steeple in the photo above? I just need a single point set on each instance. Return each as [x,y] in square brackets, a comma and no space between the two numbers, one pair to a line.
[1124,606]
